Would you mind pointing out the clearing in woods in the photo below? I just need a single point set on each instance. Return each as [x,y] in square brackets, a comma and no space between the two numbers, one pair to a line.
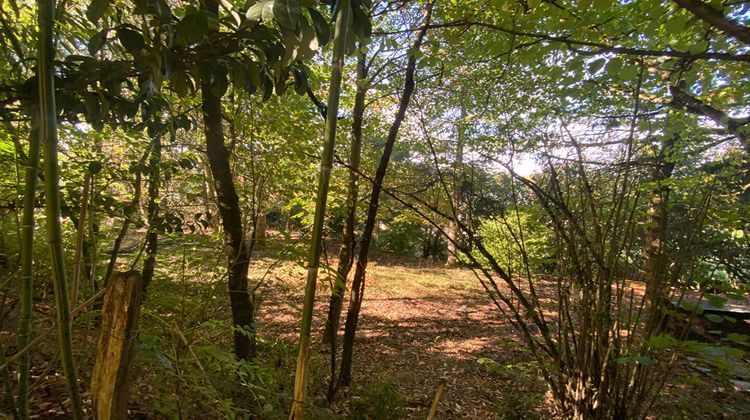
[421,323]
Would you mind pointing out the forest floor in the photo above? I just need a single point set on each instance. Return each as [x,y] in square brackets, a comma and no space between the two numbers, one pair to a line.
[421,323]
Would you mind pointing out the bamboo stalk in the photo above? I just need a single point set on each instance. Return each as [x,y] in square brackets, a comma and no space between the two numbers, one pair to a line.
[313,259]
[80,234]
[48,112]
[25,286]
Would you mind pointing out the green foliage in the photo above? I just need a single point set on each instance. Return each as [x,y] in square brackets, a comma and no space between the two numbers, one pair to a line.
[505,237]
[403,235]
[380,400]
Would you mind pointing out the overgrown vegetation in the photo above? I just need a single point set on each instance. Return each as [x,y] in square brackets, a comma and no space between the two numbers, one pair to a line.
[588,162]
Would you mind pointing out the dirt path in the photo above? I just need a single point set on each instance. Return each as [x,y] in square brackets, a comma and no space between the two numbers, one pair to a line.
[421,325]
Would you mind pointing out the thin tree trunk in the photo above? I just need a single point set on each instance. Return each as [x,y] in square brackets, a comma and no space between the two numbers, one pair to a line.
[92,244]
[5,370]
[152,236]
[458,162]
[48,112]
[358,283]
[346,253]
[125,225]
[231,218]
[349,243]
[80,235]
[26,284]
[313,257]
[655,263]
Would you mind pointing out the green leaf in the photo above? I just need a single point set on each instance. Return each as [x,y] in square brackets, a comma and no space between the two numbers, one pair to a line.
[715,300]
[192,27]
[287,13]
[261,11]
[661,341]
[717,319]
[300,82]
[96,10]
[614,66]
[362,25]
[322,29]
[182,83]
[596,65]
[738,338]
[131,40]
[628,73]
[267,87]
[253,74]
[733,352]
[675,25]
[97,41]
[602,5]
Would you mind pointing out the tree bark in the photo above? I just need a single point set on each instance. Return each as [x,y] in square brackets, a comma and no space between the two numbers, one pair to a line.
[655,264]
[452,230]
[114,353]
[687,102]
[717,19]
[152,236]
[358,282]
[231,218]
[80,235]
[346,253]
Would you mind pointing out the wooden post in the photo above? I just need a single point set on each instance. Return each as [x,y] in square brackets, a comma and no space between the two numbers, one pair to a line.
[110,379]
[438,395]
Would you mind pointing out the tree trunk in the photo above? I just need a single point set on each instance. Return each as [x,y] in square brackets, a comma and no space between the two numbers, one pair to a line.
[231,218]
[358,283]
[316,239]
[260,230]
[346,253]
[80,235]
[152,237]
[114,353]
[458,162]
[655,264]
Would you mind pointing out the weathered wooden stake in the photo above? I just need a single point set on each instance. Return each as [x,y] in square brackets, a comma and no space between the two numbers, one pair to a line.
[110,380]
[438,395]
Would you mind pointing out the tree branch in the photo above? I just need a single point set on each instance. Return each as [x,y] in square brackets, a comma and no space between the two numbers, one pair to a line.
[716,19]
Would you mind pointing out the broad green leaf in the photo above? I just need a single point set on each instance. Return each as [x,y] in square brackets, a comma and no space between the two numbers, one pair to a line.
[628,72]
[96,10]
[596,65]
[287,13]
[261,11]
[131,40]
[97,41]
[267,87]
[675,25]
[715,300]
[603,5]
[717,319]
[661,341]
[193,26]
[322,29]
[362,25]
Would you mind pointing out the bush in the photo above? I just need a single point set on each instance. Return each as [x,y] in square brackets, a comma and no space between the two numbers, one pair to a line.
[378,401]
[500,236]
